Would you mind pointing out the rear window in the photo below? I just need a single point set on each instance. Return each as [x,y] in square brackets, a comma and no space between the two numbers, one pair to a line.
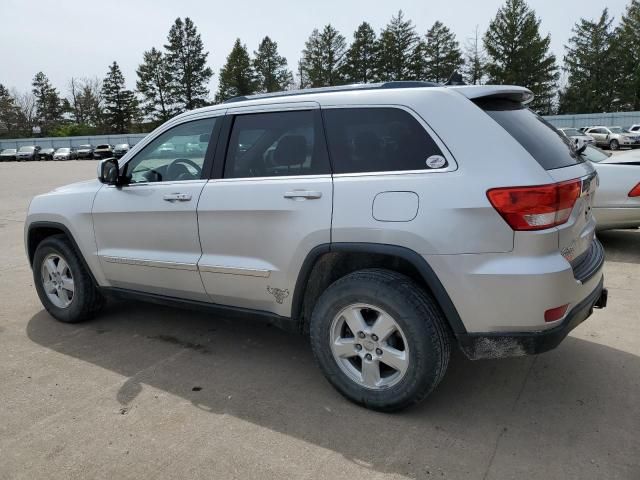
[550,148]
[378,140]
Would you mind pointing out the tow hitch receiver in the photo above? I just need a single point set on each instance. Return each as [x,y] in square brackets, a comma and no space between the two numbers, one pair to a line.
[602,300]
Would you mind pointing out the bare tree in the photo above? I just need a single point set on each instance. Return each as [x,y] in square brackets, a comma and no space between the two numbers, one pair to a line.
[86,100]
[475,59]
[27,110]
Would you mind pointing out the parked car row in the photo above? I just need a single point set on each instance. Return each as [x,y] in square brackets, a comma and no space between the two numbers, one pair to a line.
[613,138]
[82,152]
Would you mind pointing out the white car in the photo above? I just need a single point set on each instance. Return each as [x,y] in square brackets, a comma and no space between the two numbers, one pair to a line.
[634,128]
[617,203]
[575,134]
[613,137]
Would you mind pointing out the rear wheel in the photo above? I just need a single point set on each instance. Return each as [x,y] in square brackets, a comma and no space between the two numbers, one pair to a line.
[614,145]
[64,285]
[380,339]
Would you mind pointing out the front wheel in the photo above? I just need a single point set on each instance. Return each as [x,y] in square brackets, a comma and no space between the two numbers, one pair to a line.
[380,339]
[614,145]
[63,283]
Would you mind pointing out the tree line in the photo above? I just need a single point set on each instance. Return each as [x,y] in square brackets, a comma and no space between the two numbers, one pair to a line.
[600,72]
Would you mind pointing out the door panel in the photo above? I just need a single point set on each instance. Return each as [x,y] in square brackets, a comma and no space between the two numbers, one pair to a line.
[147,243]
[254,240]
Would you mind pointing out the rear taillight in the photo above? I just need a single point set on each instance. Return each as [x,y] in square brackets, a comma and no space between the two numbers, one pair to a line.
[536,208]
[635,191]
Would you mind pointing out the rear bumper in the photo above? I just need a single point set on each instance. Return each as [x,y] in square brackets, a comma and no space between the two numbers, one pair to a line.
[514,344]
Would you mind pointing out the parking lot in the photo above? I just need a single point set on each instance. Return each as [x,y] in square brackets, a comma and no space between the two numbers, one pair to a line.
[148,391]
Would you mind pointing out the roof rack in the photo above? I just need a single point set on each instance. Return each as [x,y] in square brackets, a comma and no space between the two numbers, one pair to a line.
[341,88]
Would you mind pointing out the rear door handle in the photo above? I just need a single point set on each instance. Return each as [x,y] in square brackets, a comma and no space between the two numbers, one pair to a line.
[303,194]
[177,197]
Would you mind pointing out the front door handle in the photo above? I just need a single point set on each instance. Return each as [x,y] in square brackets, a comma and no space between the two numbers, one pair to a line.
[177,197]
[303,194]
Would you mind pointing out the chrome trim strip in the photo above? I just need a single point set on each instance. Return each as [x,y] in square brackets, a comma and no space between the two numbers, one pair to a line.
[150,263]
[250,272]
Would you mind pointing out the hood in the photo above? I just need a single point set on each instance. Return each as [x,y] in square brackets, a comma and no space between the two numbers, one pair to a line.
[84,186]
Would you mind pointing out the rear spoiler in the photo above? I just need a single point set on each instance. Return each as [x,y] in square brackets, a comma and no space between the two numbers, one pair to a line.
[497,92]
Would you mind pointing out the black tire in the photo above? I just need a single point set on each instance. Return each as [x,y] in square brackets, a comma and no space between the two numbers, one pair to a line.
[86,301]
[414,311]
[614,145]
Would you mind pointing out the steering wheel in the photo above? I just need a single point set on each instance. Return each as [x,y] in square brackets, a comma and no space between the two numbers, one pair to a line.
[178,168]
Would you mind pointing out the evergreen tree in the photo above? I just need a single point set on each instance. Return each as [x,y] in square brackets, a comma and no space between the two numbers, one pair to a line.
[49,108]
[475,64]
[590,63]
[628,36]
[323,57]
[154,83]
[441,54]
[271,68]
[187,65]
[8,113]
[237,77]
[361,58]
[399,51]
[120,104]
[519,55]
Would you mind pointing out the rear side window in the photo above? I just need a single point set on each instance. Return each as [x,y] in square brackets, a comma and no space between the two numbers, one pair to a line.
[378,140]
[276,144]
[550,148]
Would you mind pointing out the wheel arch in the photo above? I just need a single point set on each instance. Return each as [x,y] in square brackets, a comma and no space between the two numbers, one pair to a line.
[327,263]
[39,231]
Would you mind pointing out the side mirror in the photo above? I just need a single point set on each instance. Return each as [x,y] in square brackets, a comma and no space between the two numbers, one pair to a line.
[109,172]
[580,145]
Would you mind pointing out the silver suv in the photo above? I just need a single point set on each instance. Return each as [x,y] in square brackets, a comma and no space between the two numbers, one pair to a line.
[357,215]
[613,137]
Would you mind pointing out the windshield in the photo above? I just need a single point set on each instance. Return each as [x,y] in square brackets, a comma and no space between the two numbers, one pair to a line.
[572,132]
[9,150]
[26,149]
[122,145]
[594,154]
[84,146]
[616,130]
[102,147]
[64,150]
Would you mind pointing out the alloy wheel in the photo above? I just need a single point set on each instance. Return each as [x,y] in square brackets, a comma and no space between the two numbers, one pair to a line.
[57,280]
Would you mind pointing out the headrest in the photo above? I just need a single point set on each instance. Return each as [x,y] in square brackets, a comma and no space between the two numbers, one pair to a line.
[291,150]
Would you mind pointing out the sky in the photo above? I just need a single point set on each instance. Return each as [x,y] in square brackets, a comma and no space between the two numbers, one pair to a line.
[81,38]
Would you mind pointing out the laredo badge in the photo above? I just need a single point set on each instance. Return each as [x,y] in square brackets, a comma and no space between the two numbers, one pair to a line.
[436,161]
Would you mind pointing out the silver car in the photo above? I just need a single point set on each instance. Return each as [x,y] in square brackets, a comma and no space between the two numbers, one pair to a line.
[617,204]
[356,215]
[613,138]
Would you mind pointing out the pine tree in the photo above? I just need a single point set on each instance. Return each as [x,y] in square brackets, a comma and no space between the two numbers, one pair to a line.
[361,58]
[187,65]
[441,54]
[399,51]
[154,84]
[271,68]
[237,77]
[8,112]
[628,36]
[120,104]
[49,108]
[590,63]
[519,55]
[323,58]
[475,64]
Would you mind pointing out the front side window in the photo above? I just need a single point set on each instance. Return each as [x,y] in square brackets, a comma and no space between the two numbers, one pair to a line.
[378,140]
[175,155]
[275,144]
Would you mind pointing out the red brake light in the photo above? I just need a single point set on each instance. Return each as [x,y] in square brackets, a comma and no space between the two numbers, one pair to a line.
[538,207]
[635,191]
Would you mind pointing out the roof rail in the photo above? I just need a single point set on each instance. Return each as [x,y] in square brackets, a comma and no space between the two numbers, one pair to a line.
[340,88]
